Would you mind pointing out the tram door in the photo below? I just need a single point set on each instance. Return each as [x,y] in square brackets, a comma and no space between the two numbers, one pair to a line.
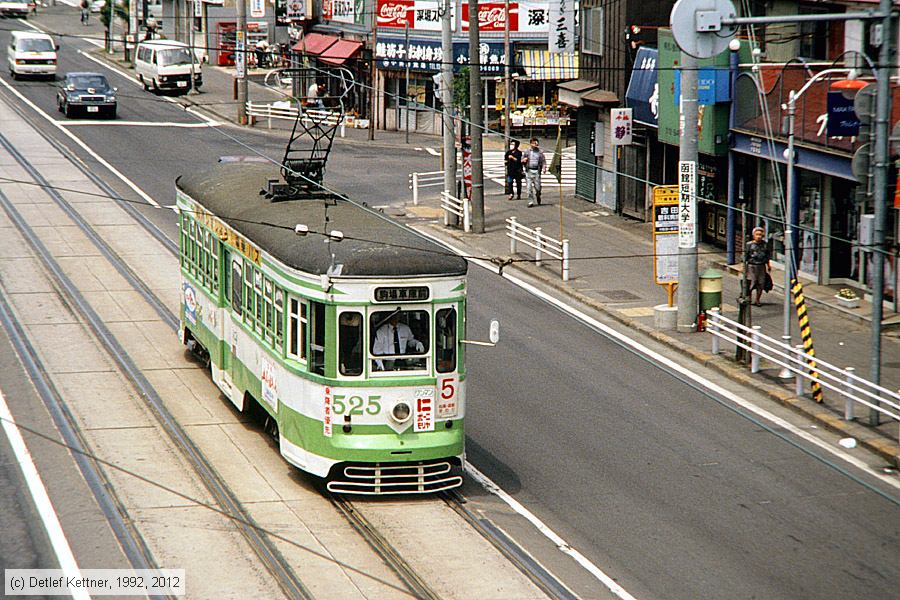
[234,299]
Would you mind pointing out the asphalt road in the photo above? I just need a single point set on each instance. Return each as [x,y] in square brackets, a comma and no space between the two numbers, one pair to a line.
[663,487]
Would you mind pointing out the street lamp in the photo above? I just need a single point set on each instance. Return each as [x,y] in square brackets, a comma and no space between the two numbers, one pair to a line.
[789,250]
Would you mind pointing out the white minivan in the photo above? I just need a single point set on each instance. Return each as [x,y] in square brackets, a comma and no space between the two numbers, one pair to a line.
[31,53]
[166,64]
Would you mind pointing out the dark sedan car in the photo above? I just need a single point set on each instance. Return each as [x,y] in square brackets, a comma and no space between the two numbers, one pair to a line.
[87,92]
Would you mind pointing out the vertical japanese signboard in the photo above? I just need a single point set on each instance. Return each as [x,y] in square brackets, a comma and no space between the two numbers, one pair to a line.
[665,234]
[296,10]
[257,9]
[620,127]
[240,56]
[467,164]
[561,38]
[687,204]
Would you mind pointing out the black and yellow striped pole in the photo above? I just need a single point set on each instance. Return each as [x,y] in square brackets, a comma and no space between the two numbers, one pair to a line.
[806,338]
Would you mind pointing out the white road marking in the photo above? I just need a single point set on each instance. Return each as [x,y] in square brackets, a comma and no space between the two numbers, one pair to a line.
[432,151]
[41,500]
[133,124]
[659,359]
[83,145]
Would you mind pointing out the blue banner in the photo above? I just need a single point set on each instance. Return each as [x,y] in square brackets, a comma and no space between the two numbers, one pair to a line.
[842,120]
[643,88]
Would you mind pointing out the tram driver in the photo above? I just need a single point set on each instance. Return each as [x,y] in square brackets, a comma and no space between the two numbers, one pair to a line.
[395,338]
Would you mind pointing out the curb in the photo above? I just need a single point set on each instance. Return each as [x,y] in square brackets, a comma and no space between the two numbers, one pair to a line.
[871,440]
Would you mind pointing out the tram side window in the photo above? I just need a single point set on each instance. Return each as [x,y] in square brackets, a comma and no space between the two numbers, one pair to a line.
[269,299]
[297,323]
[350,343]
[279,318]
[236,286]
[317,338]
[258,299]
[406,328]
[445,340]
[248,294]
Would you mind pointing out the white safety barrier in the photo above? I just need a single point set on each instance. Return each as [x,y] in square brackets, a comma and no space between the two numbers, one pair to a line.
[421,180]
[558,249]
[852,388]
[288,111]
[456,206]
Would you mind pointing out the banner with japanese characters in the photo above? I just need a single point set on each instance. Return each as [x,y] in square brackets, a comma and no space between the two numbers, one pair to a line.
[561,36]
[523,17]
[687,204]
[340,11]
[426,55]
[620,126]
[423,15]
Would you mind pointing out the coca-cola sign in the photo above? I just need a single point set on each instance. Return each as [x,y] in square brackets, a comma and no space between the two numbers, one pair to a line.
[524,16]
[393,13]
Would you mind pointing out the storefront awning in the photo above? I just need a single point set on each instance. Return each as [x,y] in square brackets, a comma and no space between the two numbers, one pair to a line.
[542,65]
[580,91]
[338,53]
[315,43]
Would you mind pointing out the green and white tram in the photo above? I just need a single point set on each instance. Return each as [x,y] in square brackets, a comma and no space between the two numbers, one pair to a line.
[349,342]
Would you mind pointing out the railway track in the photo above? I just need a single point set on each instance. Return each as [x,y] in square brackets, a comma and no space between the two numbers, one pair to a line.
[268,555]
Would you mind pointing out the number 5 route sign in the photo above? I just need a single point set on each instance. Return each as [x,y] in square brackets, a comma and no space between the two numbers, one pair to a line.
[665,234]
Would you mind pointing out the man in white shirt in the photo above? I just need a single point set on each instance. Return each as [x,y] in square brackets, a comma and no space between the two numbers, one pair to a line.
[314,95]
[394,338]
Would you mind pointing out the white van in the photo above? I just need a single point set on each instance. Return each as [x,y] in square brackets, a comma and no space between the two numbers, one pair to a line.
[166,64]
[31,53]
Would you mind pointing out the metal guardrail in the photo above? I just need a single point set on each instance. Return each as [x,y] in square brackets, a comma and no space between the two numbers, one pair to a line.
[542,244]
[459,207]
[852,388]
[421,180]
[287,111]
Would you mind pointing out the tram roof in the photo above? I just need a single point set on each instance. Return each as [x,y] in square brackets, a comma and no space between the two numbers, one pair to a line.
[231,192]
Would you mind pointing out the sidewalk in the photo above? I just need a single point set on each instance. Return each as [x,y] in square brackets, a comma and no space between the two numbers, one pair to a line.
[611,270]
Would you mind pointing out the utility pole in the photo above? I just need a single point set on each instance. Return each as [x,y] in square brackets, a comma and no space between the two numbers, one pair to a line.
[447,100]
[506,86]
[688,298]
[880,180]
[240,61]
[408,95]
[476,118]
[373,96]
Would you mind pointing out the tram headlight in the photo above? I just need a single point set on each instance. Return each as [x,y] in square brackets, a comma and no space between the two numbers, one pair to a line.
[401,412]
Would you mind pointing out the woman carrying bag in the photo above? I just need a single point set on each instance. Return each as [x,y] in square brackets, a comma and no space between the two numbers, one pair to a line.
[758,267]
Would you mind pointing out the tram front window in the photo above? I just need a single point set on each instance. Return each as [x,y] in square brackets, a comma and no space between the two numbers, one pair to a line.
[445,340]
[350,343]
[400,338]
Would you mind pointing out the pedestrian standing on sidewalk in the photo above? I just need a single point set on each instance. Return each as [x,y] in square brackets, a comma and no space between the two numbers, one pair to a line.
[513,160]
[535,164]
[85,11]
[757,261]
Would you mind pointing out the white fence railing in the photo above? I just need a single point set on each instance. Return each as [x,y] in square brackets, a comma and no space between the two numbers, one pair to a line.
[422,180]
[852,388]
[288,111]
[542,244]
[459,207]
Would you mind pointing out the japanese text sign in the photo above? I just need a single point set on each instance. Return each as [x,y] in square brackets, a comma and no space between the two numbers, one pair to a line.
[620,126]
[687,204]
[341,11]
[665,230]
[561,35]
[523,17]
[423,15]
[257,9]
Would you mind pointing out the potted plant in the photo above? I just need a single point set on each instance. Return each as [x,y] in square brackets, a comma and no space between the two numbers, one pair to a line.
[847,298]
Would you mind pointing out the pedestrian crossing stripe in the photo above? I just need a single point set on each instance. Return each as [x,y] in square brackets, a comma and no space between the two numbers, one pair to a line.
[806,338]
[495,169]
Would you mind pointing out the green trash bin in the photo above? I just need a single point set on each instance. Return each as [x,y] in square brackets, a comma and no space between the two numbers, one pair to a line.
[710,289]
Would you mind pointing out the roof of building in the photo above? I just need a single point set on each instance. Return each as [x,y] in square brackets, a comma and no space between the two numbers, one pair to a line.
[373,245]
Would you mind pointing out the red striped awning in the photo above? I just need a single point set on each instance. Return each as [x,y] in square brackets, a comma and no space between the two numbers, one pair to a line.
[340,52]
[315,43]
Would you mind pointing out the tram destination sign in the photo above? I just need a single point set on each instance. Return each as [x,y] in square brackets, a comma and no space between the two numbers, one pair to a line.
[402,294]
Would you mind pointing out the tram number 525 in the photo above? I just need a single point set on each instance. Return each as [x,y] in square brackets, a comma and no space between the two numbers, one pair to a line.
[356,405]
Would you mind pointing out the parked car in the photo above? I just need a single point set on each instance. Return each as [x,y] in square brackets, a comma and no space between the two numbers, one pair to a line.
[89,92]
[31,53]
[15,8]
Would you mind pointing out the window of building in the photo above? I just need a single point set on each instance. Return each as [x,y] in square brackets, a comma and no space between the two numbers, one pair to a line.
[592,31]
